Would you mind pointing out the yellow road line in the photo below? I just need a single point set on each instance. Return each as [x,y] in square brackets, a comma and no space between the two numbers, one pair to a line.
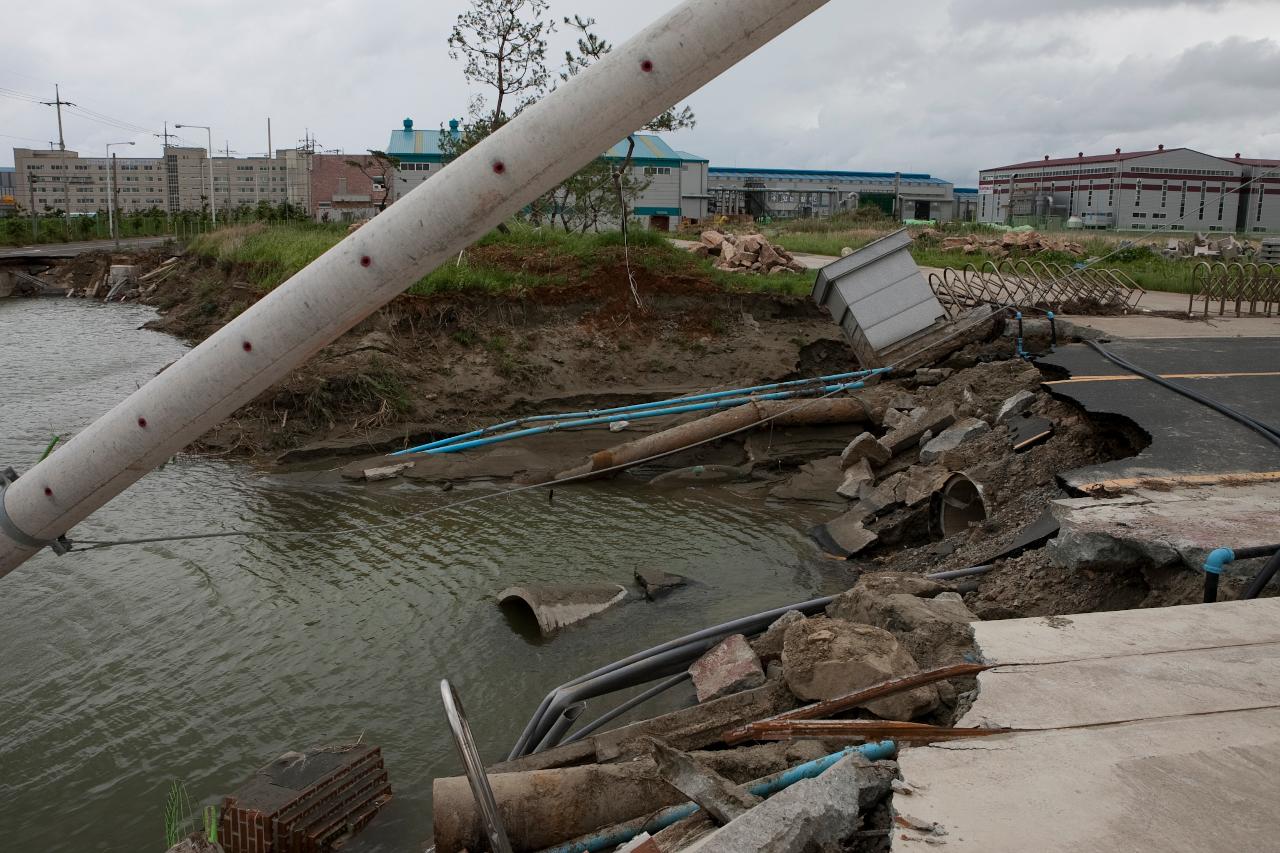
[1127,377]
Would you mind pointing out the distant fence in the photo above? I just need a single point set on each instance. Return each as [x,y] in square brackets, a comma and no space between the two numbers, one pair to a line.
[1242,288]
[1034,284]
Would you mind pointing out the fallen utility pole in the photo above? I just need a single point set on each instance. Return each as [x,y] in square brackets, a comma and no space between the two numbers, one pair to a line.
[830,410]
[539,149]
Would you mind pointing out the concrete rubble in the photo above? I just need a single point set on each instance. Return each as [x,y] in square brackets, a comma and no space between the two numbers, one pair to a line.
[656,582]
[746,253]
[730,667]
[1009,243]
[554,606]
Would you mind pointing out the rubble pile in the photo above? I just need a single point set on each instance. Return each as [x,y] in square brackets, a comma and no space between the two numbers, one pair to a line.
[890,651]
[746,253]
[1226,248]
[1019,243]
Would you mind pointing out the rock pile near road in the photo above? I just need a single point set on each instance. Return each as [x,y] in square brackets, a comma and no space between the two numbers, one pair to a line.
[746,253]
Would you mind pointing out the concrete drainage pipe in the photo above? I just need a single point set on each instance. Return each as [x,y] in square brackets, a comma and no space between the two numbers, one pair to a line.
[959,503]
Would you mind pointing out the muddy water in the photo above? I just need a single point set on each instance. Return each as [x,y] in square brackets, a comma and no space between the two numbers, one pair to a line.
[126,668]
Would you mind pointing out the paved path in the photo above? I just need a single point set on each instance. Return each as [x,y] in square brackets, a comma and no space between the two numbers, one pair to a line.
[813,262]
[1142,730]
[70,250]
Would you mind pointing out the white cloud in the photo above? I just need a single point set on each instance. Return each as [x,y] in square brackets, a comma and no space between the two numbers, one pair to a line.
[944,86]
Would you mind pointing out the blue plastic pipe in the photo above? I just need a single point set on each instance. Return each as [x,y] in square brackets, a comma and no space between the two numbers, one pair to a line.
[622,834]
[637,407]
[436,447]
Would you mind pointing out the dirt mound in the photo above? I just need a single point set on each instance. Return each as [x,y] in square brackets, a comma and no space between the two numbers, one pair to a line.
[434,365]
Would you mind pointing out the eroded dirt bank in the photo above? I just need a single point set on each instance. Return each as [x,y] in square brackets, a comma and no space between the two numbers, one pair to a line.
[426,366]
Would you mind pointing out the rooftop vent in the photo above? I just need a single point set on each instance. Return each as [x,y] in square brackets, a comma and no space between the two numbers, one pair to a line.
[1117,150]
[408,124]
[1160,147]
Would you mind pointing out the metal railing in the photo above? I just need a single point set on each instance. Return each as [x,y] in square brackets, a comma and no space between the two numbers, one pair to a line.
[1243,288]
[1030,283]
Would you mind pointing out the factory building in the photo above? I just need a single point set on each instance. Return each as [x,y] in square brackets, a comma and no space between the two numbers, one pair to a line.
[675,182]
[1176,189]
[791,193]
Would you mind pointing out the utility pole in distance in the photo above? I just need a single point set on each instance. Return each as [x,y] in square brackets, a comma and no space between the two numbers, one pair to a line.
[58,103]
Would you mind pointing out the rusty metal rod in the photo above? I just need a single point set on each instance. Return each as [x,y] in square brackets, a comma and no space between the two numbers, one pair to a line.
[840,704]
[864,730]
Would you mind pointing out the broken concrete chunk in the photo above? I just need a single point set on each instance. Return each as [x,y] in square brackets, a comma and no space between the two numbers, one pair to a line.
[719,797]
[815,481]
[952,437]
[386,472]
[655,582]
[865,446]
[712,239]
[813,814]
[1015,405]
[936,631]
[923,420]
[823,658]
[845,535]
[768,646]
[857,474]
[932,375]
[730,667]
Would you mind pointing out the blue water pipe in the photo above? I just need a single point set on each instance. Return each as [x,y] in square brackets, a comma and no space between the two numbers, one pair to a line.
[1022,353]
[632,413]
[1220,558]
[637,407]
[619,835]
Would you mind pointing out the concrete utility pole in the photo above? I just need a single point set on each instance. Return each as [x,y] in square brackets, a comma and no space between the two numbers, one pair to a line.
[113,187]
[213,208]
[58,103]
[527,157]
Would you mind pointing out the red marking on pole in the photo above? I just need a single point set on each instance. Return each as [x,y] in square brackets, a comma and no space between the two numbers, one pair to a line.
[142,422]
[499,167]
[646,66]
[365,260]
[48,492]
[248,347]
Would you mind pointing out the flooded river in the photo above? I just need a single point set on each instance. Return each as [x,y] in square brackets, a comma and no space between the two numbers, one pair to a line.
[126,668]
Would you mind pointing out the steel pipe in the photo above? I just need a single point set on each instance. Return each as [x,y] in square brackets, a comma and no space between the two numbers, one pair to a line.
[526,158]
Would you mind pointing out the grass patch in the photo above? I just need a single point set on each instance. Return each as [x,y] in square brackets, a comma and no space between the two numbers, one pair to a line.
[521,258]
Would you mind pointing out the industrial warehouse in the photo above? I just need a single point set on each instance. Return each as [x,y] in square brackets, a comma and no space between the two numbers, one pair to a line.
[1176,189]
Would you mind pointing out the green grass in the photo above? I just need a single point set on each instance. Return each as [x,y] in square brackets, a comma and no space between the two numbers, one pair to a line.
[1146,267]
[522,258]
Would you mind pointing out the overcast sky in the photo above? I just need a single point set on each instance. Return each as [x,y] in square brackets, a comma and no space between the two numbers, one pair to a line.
[940,86]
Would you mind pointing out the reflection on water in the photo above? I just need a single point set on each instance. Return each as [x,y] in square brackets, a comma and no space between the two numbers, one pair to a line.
[125,668]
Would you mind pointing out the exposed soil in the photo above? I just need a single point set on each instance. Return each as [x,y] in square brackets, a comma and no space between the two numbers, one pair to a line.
[427,366]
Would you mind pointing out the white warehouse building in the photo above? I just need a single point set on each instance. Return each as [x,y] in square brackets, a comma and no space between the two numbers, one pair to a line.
[1178,189]
[790,193]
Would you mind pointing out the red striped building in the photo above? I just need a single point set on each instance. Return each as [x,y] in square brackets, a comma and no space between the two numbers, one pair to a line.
[1176,189]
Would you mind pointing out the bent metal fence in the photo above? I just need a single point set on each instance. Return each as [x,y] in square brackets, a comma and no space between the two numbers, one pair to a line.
[1034,284]
[1243,288]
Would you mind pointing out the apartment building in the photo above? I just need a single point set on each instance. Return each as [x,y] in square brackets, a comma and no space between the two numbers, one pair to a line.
[179,180]
[1177,189]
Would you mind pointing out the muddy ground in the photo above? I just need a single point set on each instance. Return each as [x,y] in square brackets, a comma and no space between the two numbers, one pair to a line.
[425,367]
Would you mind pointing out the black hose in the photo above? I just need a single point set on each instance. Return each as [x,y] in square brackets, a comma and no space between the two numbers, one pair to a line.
[1255,551]
[1264,576]
[1268,432]
[1210,587]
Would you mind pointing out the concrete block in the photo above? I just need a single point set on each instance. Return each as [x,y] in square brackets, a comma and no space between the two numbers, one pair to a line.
[824,658]
[1014,406]
[730,667]
[952,437]
[858,473]
[865,446]
[927,420]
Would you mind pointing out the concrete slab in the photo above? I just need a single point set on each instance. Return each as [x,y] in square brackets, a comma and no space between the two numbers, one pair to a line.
[1150,730]
[1167,528]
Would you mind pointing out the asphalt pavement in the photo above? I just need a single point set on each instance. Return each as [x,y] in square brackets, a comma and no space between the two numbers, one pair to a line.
[70,250]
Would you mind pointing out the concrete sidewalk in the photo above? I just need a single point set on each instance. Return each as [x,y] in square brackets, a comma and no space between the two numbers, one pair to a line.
[1140,730]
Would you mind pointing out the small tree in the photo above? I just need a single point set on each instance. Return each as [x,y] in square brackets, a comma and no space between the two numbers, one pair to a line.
[503,44]
[377,167]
